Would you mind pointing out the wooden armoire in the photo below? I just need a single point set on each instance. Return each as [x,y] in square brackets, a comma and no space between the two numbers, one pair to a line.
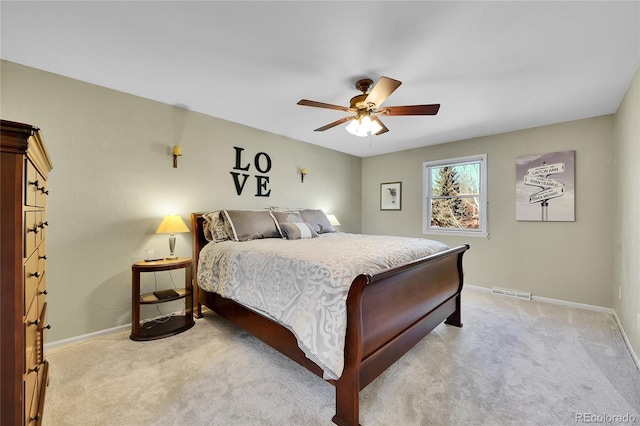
[24,371]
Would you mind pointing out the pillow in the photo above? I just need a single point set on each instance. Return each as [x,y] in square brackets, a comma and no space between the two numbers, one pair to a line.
[284,217]
[245,225]
[297,231]
[318,220]
[214,227]
[293,217]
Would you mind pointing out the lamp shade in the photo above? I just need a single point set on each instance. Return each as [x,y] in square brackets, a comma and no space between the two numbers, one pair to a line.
[333,220]
[172,224]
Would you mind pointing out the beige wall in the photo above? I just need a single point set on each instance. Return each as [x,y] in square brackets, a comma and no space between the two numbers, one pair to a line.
[626,243]
[113,182]
[570,261]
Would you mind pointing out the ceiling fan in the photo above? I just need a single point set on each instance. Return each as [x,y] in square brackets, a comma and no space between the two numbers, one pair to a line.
[368,106]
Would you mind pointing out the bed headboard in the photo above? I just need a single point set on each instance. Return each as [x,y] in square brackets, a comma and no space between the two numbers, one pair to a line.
[197,234]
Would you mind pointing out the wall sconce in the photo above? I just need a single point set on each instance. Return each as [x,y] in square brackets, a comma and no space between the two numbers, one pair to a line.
[177,151]
[303,173]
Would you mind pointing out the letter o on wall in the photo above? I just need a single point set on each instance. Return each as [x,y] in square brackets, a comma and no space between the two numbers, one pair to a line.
[256,162]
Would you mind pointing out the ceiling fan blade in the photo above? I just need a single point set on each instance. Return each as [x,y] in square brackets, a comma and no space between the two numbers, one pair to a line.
[411,110]
[384,128]
[307,102]
[381,91]
[334,124]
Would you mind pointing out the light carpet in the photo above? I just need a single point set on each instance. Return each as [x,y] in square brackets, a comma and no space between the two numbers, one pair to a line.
[515,362]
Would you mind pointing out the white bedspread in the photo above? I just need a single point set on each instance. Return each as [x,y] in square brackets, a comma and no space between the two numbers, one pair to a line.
[303,284]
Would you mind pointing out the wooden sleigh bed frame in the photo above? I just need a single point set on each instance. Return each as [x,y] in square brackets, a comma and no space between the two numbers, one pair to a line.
[387,314]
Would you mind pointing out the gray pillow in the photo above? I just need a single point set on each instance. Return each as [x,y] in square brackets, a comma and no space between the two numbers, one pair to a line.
[245,225]
[318,220]
[293,217]
[283,217]
[297,231]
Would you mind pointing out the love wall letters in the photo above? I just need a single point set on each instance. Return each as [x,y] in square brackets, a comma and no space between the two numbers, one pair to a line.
[262,163]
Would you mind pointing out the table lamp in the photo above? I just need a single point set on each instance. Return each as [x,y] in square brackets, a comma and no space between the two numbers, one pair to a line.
[170,225]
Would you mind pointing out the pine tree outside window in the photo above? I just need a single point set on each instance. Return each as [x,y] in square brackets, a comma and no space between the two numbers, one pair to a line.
[455,196]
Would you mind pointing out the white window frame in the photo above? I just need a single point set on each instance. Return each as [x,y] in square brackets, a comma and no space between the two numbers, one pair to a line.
[482,231]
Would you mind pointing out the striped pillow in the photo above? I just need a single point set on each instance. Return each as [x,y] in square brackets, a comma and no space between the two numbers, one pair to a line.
[297,231]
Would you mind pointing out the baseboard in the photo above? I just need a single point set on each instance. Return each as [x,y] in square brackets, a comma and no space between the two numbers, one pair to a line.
[59,344]
[627,341]
[595,308]
[476,288]
[550,300]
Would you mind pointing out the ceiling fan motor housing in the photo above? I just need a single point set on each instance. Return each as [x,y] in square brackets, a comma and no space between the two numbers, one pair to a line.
[363,85]
[357,102]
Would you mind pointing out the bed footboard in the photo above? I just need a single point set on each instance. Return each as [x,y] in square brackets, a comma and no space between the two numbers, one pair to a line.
[388,314]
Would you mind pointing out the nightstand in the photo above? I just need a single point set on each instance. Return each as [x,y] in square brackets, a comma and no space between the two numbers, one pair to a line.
[152,330]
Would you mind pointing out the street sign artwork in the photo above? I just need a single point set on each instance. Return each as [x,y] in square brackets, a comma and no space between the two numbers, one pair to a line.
[546,194]
[547,169]
[545,187]
[541,182]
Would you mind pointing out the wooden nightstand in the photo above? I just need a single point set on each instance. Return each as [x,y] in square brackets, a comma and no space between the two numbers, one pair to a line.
[178,323]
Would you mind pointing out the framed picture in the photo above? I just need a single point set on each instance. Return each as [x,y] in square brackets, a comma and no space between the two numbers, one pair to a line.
[545,187]
[391,196]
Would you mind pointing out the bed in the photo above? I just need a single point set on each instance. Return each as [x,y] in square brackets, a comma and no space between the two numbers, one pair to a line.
[386,312]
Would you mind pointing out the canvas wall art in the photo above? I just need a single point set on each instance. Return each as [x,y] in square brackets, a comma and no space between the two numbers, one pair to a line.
[545,187]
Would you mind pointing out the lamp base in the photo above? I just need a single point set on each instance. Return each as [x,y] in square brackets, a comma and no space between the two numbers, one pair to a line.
[172,247]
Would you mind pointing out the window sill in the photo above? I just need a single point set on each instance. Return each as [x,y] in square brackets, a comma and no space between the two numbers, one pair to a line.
[457,233]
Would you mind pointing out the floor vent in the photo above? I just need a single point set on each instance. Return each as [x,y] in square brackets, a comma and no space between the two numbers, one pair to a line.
[511,293]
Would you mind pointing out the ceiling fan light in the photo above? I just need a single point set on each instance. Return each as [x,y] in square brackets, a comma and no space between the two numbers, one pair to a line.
[353,127]
[366,124]
[357,127]
[363,126]
[375,127]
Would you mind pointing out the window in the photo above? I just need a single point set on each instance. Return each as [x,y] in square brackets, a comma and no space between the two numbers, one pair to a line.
[455,196]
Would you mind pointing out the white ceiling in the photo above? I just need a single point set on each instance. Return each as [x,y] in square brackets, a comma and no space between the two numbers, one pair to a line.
[493,66]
